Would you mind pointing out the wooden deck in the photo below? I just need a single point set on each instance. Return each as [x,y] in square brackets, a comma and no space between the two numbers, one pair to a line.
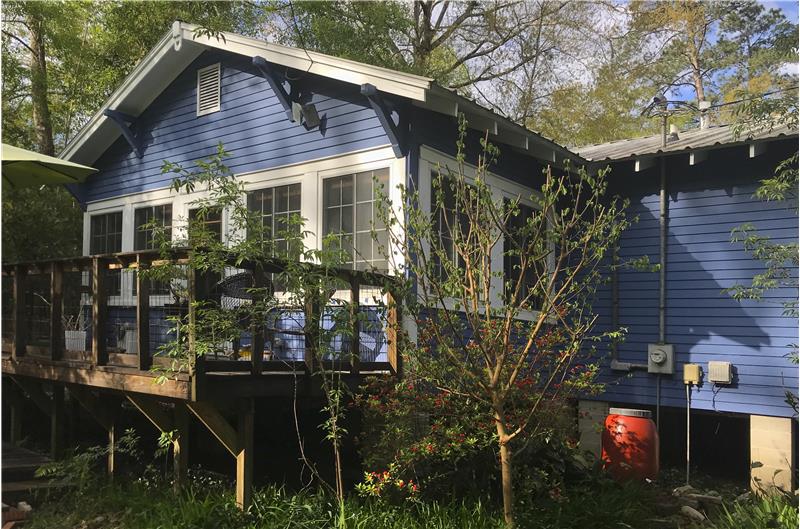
[217,389]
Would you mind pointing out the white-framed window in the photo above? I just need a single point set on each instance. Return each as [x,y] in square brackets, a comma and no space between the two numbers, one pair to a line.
[105,236]
[275,206]
[143,220]
[350,214]
[433,163]
[209,89]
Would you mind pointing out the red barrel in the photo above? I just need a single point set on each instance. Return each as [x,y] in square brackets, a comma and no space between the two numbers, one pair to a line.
[630,444]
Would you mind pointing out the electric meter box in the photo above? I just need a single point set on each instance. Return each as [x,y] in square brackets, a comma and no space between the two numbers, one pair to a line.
[661,359]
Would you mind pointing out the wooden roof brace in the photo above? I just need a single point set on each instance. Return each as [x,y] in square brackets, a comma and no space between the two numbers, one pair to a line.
[122,120]
[384,116]
[275,83]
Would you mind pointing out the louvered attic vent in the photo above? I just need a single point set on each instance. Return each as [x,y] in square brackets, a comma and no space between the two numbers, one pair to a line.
[208,91]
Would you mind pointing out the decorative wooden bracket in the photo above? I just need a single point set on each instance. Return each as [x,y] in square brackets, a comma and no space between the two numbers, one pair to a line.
[384,116]
[275,83]
[123,120]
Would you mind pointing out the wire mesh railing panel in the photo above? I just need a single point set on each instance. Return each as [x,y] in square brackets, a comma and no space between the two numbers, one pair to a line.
[37,309]
[8,308]
[372,325]
[120,322]
[76,312]
[169,308]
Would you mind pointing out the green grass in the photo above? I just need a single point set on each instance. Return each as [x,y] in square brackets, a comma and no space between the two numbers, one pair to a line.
[135,506]
[147,507]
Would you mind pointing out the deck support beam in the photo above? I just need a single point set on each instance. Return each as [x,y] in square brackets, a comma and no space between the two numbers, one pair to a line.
[176,424]
[52,406]
[102,411]
[237,441]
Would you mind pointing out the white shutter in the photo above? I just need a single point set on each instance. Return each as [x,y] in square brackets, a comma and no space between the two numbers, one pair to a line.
[208,89]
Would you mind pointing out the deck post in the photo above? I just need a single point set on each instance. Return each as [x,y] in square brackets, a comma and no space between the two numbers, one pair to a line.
[15,419]
[197,293]
[244,458]
[112,447]
[257,327]
[57,422]
[394,319]
[180,445]
[142,317]
[56,310]
[355,338]
[99,312]
[20,315]
[311,328]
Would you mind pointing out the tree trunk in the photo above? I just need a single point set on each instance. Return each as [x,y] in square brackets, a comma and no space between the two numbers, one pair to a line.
[505,469]
[42,124]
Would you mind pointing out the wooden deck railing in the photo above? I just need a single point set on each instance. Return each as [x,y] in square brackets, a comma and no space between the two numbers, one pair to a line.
[99,295]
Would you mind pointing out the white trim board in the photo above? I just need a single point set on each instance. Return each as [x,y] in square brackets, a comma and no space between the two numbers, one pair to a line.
[180,46]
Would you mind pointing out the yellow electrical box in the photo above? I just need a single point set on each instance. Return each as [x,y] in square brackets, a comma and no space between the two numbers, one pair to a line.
[691,373]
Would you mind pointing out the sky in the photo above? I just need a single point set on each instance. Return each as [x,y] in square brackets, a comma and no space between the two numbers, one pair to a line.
[789,8]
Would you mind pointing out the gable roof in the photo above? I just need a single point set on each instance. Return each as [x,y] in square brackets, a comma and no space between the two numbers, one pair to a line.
[181,45]
[690,140]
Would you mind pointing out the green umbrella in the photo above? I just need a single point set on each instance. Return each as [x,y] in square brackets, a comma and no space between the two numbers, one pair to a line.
[22,168]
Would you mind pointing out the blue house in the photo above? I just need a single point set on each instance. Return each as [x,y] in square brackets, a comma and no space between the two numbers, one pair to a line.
[307,132]
[688,195]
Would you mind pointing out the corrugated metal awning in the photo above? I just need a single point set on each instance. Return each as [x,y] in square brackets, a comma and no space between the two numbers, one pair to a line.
[687,141]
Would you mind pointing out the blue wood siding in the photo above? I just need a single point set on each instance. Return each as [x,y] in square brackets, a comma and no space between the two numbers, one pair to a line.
[251,124]
[703,323]
[440,132]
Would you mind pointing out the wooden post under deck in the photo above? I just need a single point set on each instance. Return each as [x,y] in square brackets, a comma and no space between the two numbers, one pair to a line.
[103,410]
[180,445]
[111,462]
[57,422]
[16,402]
[244,458]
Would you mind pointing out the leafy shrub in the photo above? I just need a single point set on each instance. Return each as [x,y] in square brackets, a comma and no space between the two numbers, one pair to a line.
[776,510]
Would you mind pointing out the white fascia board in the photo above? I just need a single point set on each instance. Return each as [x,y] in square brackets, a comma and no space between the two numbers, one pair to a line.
[410,86]
[179,47]
[145,82]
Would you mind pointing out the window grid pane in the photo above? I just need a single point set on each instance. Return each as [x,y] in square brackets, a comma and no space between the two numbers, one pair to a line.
[350,214]
[276,205]
[105,236]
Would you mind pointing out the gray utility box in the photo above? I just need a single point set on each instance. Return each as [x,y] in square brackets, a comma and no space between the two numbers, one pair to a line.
[660,358]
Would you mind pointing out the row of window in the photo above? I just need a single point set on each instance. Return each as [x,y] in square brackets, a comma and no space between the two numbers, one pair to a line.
[350,211]
[349,204]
